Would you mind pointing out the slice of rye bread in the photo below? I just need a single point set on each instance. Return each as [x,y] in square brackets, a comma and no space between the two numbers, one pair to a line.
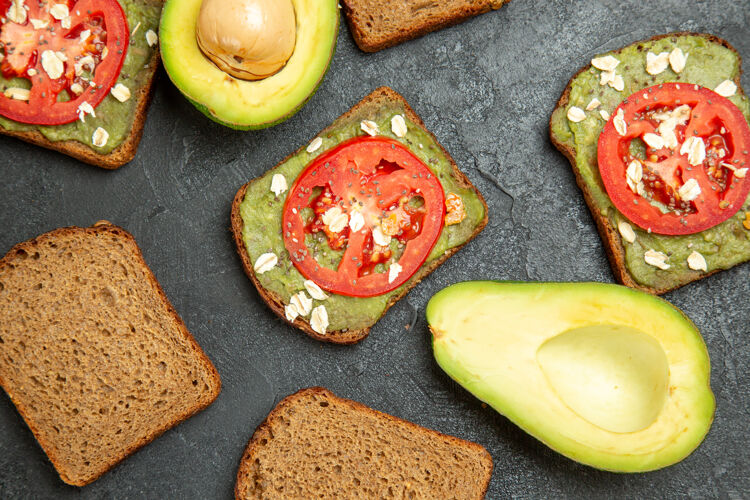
[317,445]
[379,24]
[93,355]
[119,156]
[607,231]
[374,100]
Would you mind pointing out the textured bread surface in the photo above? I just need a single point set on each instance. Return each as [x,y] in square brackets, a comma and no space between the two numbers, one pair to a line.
[317,445]
[92,353]
[607,231]
[379,97]
[119,156]
[379,24]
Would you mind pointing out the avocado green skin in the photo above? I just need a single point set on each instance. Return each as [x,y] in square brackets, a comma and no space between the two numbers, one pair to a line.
[203,109]
[259,126]
[613,463]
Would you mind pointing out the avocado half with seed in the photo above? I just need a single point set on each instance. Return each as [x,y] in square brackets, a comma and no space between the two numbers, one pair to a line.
[245,104]
[606,375]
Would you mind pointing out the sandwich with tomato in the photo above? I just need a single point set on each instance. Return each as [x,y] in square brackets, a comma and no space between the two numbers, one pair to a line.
[344,227]
[657,135]
[77,74]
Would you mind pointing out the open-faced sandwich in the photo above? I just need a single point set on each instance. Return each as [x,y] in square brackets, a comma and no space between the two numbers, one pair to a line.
[340,230]
[77,75]
[657,134]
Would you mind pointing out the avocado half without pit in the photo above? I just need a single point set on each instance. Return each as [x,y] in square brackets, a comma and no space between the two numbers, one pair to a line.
[608,376]
[248,64]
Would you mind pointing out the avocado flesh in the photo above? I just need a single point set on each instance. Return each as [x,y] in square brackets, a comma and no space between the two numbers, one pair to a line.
[608,376]
[244,104]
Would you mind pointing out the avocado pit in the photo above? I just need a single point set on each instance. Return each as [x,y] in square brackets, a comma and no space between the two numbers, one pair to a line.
[247,39]
[614,376]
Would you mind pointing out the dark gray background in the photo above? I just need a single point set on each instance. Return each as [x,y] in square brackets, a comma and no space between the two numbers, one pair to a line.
[486,89]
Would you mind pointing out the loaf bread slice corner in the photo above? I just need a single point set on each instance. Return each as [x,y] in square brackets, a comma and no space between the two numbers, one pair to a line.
[608,233]
[317,445]
[376,99]
[93,355]
[379,24]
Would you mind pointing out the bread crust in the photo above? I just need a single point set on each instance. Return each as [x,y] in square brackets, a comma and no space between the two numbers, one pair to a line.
[275,302]
[98,228]
[266,427]
[412,28]
[119,156]
[609,234]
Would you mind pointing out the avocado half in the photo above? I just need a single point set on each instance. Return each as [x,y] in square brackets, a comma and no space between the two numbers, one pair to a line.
[243,104]
[606,375]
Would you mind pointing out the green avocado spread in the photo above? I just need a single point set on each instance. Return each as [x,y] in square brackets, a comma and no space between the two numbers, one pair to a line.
[708,64]
[261,213]
[112,115]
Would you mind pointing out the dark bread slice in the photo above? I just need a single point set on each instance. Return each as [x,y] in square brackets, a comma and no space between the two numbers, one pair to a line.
[607,231]
[379,24]
[317,445]
[92,353]
[374,100]
[119,156]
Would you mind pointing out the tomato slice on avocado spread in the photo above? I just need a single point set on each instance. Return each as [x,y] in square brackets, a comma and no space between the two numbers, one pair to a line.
[356,199]
[71,53]
[673,158]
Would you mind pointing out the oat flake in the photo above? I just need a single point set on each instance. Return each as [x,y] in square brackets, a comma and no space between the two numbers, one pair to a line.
[697,262]
[278,184]
[120,92]
[319,320]
[314,145]
[626,231]
[393,271]
[17,93]
[727,88]
[398,126]
[369,127]
[605,63]
[656,63]
[314,290]
[576,114]
[356,221]
[653,140]
[17,12]
[59,11]
[52,64]
[291,312]
[100,137]
[151,38]
[302,302]
[656,259]
[265,263]
[595,103]
[677,59]
[619,122]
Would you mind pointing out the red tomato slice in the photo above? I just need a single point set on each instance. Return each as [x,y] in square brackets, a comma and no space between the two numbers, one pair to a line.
[691,176]
[394,193]
[91,48]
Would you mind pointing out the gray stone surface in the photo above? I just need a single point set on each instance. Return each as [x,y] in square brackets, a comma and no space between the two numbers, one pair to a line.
[486,88]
